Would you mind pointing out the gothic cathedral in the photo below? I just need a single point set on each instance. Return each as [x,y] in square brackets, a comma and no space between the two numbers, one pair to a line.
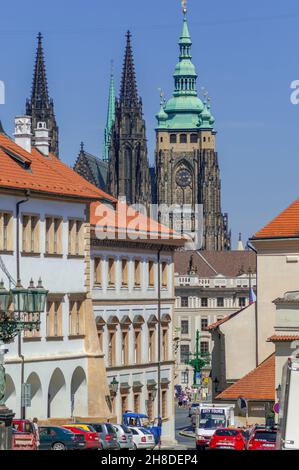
[187,169]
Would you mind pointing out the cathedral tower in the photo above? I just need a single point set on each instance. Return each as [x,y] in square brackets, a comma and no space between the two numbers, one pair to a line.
[128,173]
[40,107]
[186,159]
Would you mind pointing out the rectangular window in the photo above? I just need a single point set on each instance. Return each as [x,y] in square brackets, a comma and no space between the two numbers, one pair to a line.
[54,319]
[125,348]
[6,231]
[220,302]
[184,327]
[111,272]
[185,378]
[183,138]
[204,324]
[164,274]
[184,301]
[204,347]
[172,138]
[151,345]
[242,302]
[151,274]
[34,333]
[111,349]
[98,271]
[204,301]
[194,138]
[164,404]
[54,227]
[76,237]
[150,406]
[137,347]
[124,404]
[137,273]
[124,273]
[136,403]
[185,349]
[76,324]
[31,236]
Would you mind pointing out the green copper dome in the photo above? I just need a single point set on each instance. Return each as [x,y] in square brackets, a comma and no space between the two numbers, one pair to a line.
[184,109]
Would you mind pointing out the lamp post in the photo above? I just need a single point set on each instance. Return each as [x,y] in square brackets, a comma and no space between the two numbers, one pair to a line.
[198,362]
[28,304]
[113,391]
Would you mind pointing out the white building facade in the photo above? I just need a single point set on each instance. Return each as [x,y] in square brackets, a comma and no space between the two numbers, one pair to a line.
[125,304]
[62,361]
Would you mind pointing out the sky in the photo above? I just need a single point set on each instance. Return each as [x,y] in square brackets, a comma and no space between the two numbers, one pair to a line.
[245,54]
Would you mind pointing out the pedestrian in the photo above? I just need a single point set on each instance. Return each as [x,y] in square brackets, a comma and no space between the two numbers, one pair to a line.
[36,432]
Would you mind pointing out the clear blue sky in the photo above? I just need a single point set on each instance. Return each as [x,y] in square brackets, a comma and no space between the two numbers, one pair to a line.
[246,55]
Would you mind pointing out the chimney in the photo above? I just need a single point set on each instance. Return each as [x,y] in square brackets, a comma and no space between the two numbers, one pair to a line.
[41,138]
[23,132]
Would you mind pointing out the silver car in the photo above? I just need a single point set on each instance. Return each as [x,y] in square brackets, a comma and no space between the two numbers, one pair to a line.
[124,436]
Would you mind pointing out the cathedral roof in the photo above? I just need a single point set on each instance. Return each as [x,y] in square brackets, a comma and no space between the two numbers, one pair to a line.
[97,169]
[22,170]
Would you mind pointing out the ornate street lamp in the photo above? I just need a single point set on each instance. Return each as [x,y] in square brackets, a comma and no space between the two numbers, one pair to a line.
[28,304]
[114,387]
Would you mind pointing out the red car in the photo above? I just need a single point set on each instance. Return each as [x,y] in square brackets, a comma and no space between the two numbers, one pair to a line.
[262,439]
[24,436]
[227,438]
[91,437]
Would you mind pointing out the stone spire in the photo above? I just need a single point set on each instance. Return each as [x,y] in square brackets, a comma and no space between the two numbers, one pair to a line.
[110,119]
[128,92]
[128,173]
[40,107]
[240,246]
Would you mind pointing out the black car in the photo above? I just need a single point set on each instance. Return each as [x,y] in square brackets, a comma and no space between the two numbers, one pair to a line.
[57,438]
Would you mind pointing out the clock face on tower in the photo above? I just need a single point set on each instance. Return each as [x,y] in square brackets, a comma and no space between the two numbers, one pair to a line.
[183,177]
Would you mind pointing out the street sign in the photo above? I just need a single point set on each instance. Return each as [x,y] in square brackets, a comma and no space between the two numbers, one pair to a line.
[26,395]
[276,408]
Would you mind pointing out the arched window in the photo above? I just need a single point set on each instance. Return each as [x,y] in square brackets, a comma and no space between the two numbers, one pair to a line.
[183,138]
[194,138]
[173,138]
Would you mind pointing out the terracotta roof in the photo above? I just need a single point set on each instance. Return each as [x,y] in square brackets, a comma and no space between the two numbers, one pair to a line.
[215,325]
[259,384]
[211,263]
[285,225]
[38,173]
[126,223]
[283,338]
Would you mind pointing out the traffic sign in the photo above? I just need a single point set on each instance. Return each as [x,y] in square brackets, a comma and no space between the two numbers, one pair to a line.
[276,408]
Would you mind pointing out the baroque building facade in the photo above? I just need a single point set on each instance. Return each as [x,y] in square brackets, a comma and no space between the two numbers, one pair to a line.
[128,171]
[40,106]
[187,168]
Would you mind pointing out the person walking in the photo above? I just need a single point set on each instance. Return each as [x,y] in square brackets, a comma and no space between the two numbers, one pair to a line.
[36,432]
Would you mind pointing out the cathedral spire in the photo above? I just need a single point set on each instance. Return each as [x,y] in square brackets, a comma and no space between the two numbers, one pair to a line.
[128,92]
[39,94]
[40,107]
[110,118]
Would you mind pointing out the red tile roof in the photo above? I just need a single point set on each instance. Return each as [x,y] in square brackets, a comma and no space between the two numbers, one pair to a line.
[259,384]
[215,325]
[285,225]
[41,174]
[126,223]
[283,338]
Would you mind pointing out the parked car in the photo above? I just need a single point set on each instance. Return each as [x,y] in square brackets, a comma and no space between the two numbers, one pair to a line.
[23,441]
[91,437]
[59,438]
[142,438]
[107,435]
[124,436]
[24,435]
[227,438]
[262,439]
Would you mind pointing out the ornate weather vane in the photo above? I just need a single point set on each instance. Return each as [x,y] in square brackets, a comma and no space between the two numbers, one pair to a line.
[184,6]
